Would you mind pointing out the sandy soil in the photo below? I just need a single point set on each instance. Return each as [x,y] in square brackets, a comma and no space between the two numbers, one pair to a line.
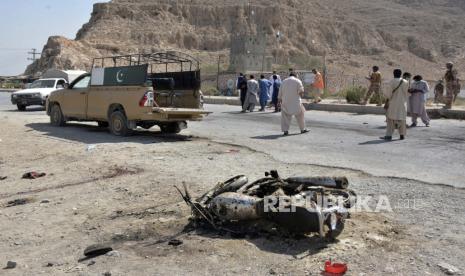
[104,189]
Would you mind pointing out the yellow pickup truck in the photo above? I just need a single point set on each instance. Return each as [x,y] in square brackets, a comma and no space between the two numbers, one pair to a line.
[126,92]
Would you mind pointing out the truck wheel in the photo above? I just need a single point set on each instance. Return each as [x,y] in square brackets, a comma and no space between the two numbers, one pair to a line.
[21,107]
[56,116]
[103,124]
[170,128]
[119,124]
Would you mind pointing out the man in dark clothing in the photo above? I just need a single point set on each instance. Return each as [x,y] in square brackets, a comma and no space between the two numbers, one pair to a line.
[242,86]
[276,86]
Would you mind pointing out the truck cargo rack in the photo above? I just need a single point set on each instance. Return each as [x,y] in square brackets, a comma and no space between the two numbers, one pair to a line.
[170,61]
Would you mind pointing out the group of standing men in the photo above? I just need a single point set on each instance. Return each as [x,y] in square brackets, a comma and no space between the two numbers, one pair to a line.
[253,92]
[406,97]
[450,78]
[285,97]
[402,95]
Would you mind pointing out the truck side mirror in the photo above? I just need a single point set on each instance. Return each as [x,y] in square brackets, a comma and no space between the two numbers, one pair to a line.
[66,85]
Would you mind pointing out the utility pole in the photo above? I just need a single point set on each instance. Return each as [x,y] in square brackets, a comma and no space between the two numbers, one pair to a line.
[218,73]
[34,53]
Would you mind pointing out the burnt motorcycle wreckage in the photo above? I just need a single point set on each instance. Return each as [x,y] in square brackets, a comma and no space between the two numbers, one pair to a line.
[299,205]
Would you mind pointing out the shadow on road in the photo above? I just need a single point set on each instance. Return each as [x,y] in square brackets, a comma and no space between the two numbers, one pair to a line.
[28,109]
[273,136]
[376,142]
[233,112]
[255,112]
[91,134]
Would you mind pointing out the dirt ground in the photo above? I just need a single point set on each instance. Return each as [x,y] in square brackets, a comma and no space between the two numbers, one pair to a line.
[120,191]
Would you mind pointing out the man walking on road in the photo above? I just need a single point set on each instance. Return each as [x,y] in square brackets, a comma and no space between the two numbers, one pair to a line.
[275,89]
[265,86]
[242,86]
[417,103]
[289,98]
[251,99]
[397,97]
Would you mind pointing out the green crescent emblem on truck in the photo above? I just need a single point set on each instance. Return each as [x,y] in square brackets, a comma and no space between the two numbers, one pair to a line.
[119,76]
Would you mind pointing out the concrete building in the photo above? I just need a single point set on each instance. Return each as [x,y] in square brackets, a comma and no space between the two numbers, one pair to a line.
[249,53]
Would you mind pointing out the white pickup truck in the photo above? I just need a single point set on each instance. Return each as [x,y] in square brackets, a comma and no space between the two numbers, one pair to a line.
[38,92]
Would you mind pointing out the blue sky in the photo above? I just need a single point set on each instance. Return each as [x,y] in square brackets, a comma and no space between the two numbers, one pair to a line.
[26,24]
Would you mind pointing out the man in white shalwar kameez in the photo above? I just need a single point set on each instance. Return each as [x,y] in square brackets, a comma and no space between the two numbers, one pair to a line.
[289,97]
[251,98]
[396,114]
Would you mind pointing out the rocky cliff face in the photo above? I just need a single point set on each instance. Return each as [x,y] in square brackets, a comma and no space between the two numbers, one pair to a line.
[353,34]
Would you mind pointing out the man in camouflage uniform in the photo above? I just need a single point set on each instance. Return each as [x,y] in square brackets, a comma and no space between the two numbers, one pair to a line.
[375,87]
[452,85]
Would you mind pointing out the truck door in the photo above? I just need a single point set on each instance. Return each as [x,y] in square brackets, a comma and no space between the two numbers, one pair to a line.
[75,98]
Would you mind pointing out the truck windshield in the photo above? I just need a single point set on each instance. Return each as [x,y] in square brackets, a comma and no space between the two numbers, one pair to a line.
[43,84]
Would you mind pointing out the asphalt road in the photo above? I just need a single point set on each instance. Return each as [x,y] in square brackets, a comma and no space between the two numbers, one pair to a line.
[432,155]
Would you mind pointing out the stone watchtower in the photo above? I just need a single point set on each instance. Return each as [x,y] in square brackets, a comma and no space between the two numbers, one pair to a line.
[248,53]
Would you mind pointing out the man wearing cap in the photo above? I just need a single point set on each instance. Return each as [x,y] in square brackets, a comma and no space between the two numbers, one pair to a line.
[375,86]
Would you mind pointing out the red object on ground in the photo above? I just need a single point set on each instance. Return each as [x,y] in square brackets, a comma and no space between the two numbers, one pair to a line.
[335,268]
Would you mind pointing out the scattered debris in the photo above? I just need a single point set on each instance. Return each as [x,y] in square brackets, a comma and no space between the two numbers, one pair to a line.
[335,268]
[90,148]
[3,177]
[97,250]
[10,265]
[45,201]
[91,263]
[107,273]
[19,201]
[268,200]
[33,175]
[158,158]
[175,242]
[227,151]
[448,269]
[113,253]
[50,264]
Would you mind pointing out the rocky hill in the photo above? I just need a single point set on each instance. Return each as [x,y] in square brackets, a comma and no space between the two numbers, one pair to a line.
[417,35]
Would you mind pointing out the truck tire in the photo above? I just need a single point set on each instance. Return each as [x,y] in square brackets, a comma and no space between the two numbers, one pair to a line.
[21,107]
[119,124]
[170,128]
[56,116]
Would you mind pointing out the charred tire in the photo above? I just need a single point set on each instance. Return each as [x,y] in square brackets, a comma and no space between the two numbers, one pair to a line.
[119,124]
[232,185]
[56,116]
[21,107]
[103,124]
[333,233]
[170,128]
